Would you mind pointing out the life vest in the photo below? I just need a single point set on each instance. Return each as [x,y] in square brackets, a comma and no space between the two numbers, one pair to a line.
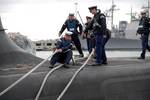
[143,27]
[72,25]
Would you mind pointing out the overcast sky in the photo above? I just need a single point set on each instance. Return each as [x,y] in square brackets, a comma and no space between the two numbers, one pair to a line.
[42,19]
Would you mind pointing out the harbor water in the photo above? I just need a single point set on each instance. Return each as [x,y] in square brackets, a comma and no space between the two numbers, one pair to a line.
[110,54]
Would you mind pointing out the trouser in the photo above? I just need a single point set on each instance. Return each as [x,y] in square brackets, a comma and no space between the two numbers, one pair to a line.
[99,48]
[89,44]
[61,58]
[104,58]
[93,42]
[145,45]
[77,43]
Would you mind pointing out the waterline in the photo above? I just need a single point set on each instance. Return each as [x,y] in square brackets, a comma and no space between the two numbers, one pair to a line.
[110,54]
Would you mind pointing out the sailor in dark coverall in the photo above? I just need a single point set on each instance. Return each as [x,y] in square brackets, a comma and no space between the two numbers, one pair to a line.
[89,35]
[63,51]
[98,25]
[106,37]
[72,25]
[143,30]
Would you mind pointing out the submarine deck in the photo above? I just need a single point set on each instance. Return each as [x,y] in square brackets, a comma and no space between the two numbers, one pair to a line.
[112,62]
[121,79]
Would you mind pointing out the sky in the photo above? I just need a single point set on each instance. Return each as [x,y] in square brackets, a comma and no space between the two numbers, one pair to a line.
[42,19]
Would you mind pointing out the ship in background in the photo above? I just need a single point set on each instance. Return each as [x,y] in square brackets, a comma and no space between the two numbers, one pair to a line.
[126,30]
[123,36]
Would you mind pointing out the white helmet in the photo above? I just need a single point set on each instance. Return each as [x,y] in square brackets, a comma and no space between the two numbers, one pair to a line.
[68,33]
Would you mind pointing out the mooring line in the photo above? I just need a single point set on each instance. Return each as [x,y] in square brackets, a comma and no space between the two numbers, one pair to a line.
[74,76]
[45,79]
[24,76]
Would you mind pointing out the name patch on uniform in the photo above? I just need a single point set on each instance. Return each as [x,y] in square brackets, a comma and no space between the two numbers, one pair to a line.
[71,29]
[140,26]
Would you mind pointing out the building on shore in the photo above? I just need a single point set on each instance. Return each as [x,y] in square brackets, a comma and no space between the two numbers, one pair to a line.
[44,45]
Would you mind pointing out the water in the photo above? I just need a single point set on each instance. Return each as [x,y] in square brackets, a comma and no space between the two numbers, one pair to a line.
[110,54]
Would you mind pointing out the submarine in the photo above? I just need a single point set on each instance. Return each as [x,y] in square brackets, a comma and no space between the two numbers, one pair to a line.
[121,79]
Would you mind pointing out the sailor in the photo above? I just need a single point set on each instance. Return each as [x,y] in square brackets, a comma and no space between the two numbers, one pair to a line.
[106,36]
[143,30]
[72,25]
[98,25]
[63,51]
[89,35]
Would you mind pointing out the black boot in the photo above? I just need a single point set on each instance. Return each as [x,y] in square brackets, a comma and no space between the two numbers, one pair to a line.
[81,55]
[141,58]
[96,64]
[51,66]
[142,55]
[66,66]
[105,63]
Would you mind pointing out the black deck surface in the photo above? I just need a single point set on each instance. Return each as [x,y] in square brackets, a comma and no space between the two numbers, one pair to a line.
[121,79]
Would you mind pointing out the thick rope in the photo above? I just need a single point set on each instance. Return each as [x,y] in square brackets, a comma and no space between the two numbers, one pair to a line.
[74,76]
[45,79]
[24,76]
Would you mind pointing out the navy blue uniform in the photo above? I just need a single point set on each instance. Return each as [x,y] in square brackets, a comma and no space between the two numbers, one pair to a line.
[143,29]
[106,36]
[90,38]
[66,54]
[72,26]
[98,25]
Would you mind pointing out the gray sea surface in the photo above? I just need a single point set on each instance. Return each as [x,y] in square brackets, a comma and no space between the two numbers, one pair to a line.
[110,54]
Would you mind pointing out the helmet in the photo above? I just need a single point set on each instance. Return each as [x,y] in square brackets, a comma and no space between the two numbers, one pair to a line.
[71,14]
[143,12]
[92,7]
[68,33]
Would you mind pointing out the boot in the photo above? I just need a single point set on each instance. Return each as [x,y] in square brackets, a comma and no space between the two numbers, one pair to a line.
[66,66]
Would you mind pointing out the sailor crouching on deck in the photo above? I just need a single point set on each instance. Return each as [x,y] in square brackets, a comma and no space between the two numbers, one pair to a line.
[63,51]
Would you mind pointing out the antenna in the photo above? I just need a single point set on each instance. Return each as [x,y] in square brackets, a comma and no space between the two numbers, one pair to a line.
[148,8]
[112,14]
[132,15]
[76,9]
[78,14]
[112,10]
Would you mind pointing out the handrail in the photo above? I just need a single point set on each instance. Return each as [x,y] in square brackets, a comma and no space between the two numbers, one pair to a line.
[24,76]
[74,76]
[45,79]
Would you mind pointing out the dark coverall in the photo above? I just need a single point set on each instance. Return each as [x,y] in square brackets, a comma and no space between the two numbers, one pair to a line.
[72,26]
[98,25]
[66,54]
[90,38]
[143,29]
[106,36]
